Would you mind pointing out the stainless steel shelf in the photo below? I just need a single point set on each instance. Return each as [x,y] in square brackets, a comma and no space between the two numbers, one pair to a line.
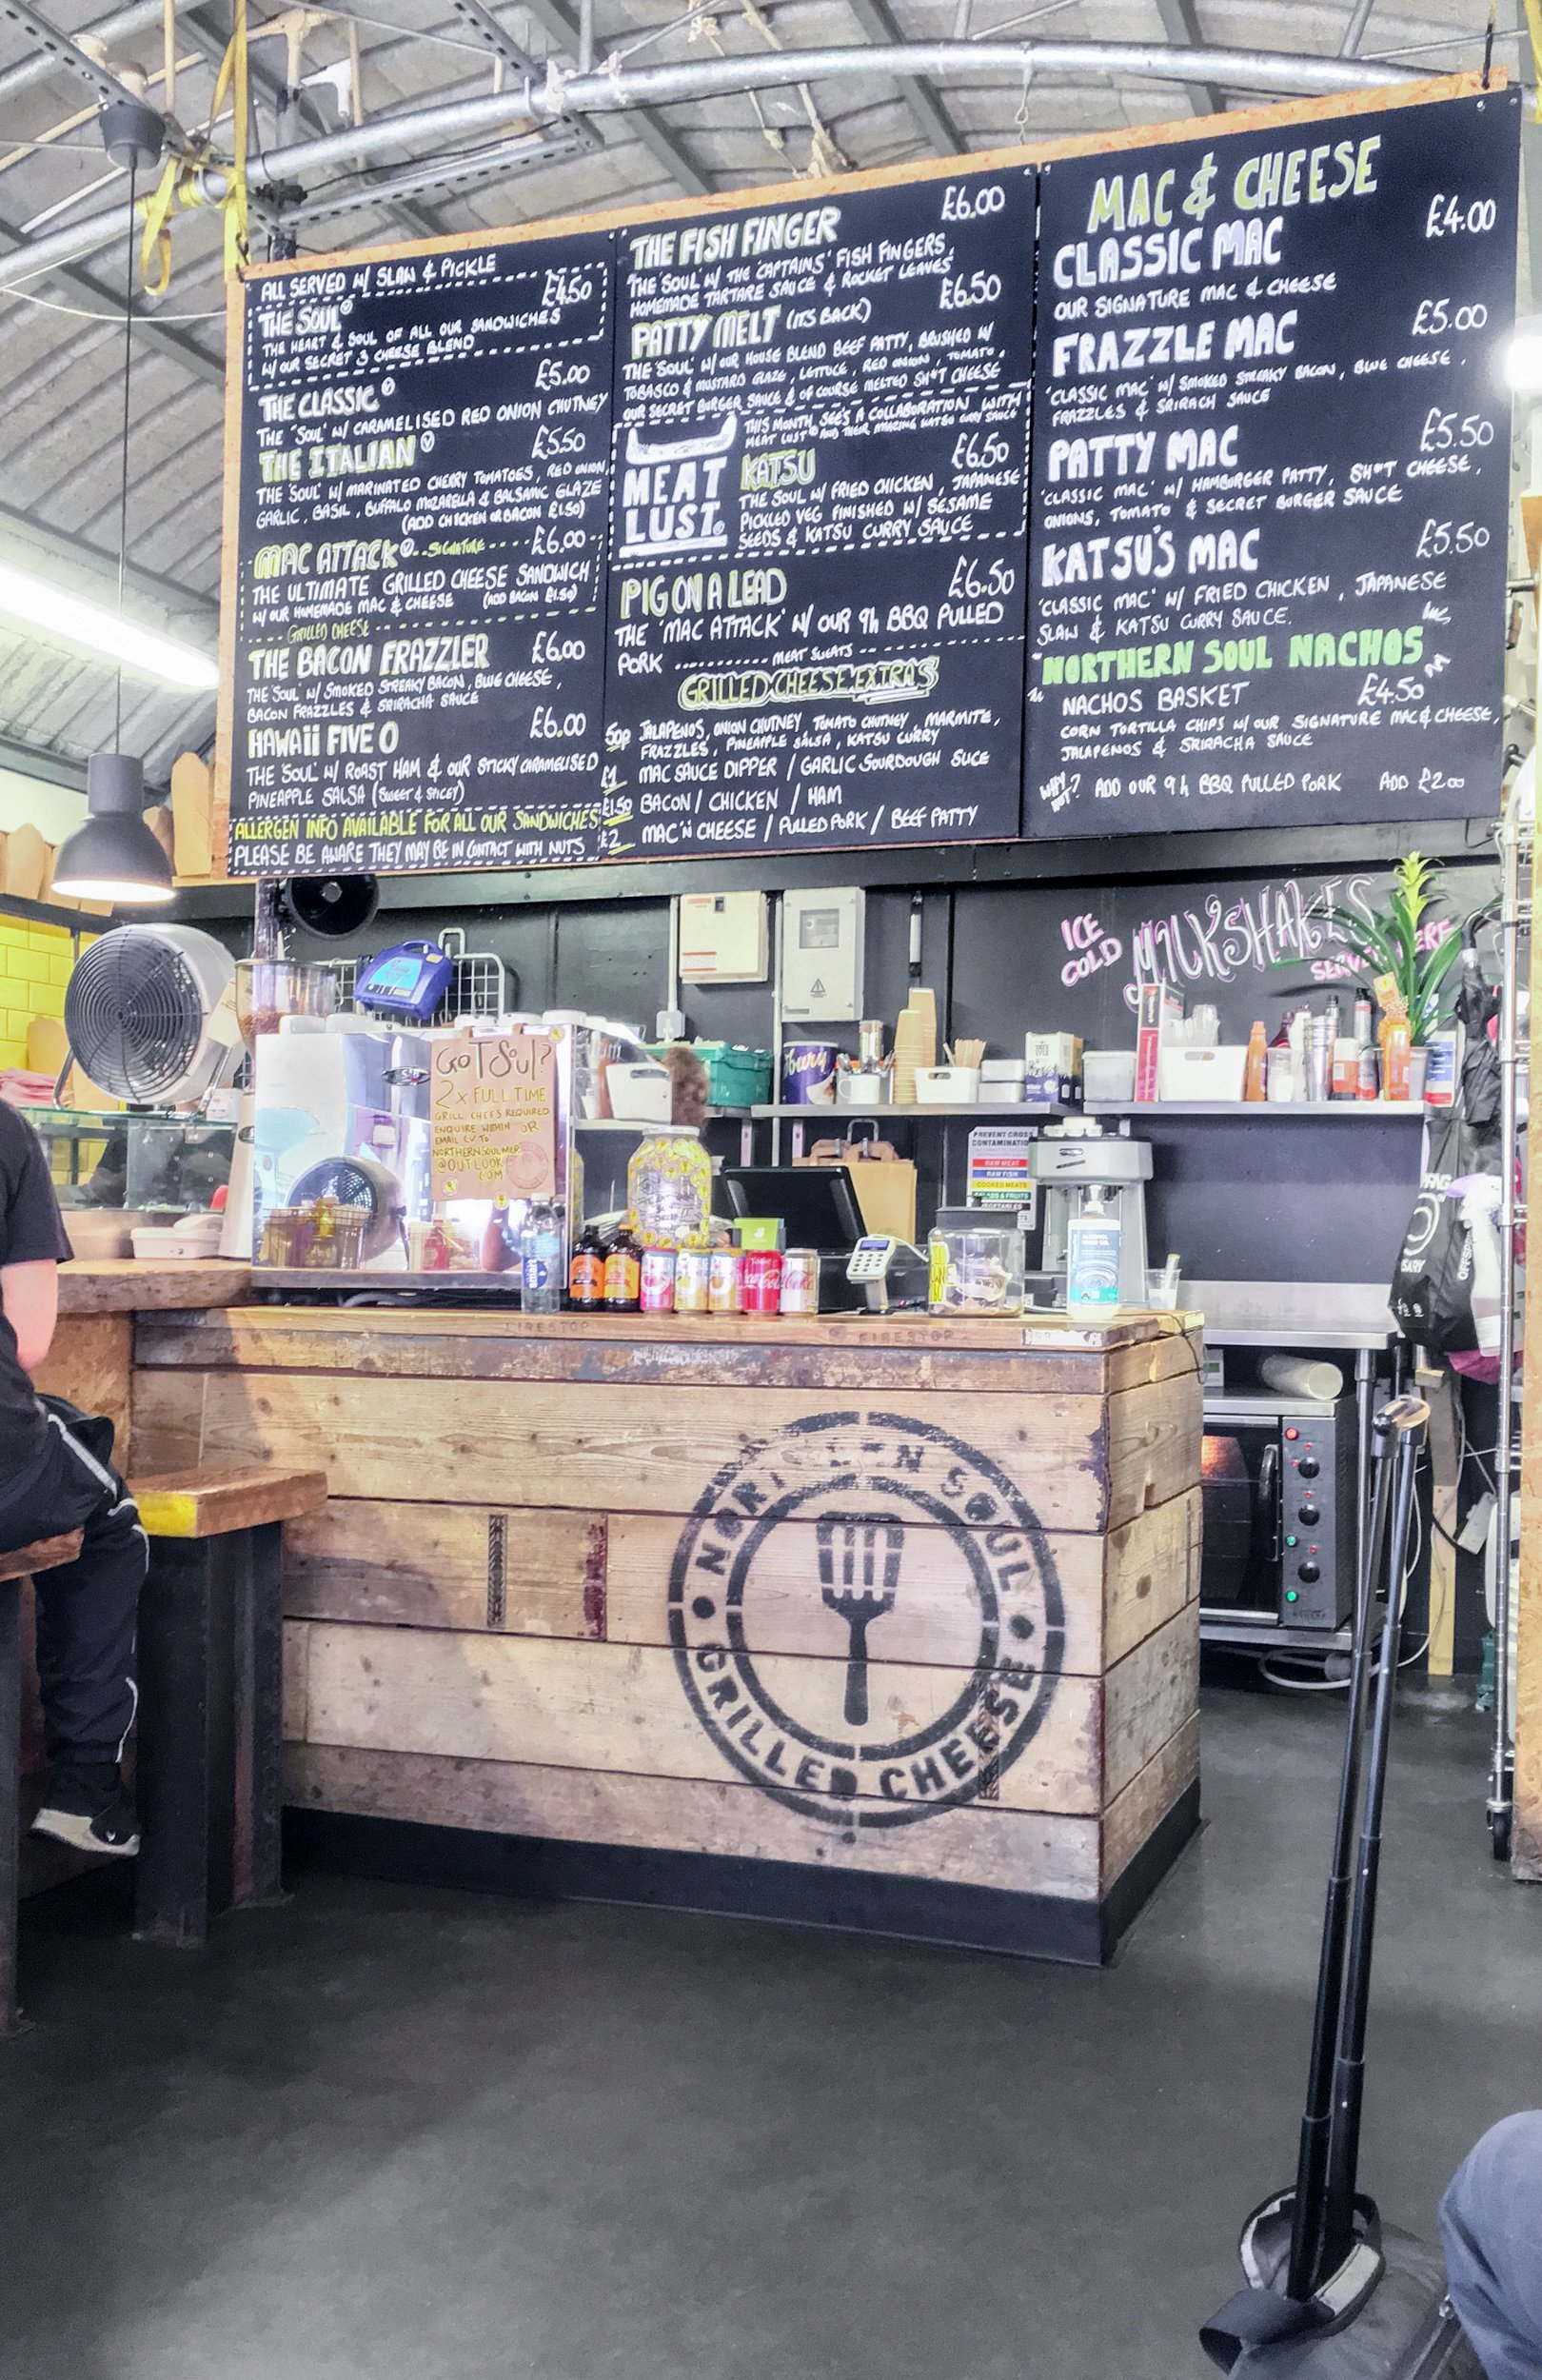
[1370,1111]
[918,1112]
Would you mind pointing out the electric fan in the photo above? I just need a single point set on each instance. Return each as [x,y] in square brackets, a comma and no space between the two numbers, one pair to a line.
[138,1011]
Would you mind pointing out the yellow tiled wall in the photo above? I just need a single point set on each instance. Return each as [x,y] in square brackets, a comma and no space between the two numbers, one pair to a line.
[35,967]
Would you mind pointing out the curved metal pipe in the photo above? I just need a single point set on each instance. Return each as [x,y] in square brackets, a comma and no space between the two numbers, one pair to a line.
[608,93]
[1273,70]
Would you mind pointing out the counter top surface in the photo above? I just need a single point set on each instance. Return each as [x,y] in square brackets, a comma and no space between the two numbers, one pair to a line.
[1044,1333]
[123,1285]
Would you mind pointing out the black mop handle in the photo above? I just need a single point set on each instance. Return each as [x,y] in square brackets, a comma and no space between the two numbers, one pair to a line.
[1408,1416]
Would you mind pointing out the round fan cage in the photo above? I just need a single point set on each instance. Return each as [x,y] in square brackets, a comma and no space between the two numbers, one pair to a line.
[137,1007]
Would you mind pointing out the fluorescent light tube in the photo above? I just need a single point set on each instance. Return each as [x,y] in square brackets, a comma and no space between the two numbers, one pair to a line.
[39,604]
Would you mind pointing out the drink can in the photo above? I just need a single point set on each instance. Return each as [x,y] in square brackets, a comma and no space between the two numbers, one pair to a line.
[800,1281]
[658,1283]
[693,1281]
[761,1280]
[723,1294]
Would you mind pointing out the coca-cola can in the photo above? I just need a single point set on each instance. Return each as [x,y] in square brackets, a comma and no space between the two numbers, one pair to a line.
[800,1280]
[723,1295]
[658,1291]
[760,1280]
[693,1281]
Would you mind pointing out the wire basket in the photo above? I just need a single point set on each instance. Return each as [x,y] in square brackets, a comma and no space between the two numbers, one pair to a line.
[479,989]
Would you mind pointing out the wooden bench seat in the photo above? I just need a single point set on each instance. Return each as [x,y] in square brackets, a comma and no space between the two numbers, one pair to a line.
[44,1554]
[25,1561]
[208,1500]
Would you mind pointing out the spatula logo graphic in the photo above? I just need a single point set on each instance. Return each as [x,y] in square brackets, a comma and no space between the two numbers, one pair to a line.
[866,1619]
[860,1578]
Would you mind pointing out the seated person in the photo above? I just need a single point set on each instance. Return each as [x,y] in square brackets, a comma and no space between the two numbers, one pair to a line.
[1491,2226]
[56,1474]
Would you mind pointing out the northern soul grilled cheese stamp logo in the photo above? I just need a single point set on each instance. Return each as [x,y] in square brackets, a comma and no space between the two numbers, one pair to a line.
[865,1619]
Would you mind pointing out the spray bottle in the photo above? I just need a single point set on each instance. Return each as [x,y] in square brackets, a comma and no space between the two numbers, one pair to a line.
[1092,1276]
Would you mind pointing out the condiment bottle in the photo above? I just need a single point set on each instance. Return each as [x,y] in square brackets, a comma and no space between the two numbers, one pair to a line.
[1281,1066]
[623,1273]
[1395,1060]
[586,1272]
[1256,1066]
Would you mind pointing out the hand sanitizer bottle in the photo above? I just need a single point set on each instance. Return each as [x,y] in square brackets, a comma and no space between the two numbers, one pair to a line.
[1092,1277]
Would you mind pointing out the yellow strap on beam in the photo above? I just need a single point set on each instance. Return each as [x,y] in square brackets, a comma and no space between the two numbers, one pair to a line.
[180,184]
[1533,25]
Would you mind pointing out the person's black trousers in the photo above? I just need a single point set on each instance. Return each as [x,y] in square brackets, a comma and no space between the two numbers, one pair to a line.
[87,1609]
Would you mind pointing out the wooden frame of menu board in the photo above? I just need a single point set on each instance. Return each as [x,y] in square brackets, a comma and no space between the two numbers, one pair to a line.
[1188,131]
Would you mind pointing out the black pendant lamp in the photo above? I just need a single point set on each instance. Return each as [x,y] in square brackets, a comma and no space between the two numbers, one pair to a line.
[114,856]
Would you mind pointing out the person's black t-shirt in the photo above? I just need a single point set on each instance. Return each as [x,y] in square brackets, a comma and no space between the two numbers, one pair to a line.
[32,1229]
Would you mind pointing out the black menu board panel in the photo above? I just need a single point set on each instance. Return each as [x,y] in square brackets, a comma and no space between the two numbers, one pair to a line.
[1271,475]
[818,515]
[424,495]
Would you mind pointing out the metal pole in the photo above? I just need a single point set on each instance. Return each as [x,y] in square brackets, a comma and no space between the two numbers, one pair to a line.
[1501,1770]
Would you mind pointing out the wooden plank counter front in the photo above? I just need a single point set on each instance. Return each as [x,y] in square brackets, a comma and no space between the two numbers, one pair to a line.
[884,1622]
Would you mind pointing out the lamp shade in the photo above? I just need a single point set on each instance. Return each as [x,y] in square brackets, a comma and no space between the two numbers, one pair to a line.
[114,856]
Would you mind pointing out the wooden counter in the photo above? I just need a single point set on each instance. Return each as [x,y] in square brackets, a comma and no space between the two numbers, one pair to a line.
[91,1356]
[880,1622]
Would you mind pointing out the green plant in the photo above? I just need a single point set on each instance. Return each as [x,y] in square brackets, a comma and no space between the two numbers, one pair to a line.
[1387,943]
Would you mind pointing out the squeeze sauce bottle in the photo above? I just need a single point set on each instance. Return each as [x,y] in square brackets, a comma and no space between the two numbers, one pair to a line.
[1258,1060]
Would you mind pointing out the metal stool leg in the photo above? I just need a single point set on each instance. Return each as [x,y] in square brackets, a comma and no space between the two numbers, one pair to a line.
[179,1698]
[258,1615]
[10,2017]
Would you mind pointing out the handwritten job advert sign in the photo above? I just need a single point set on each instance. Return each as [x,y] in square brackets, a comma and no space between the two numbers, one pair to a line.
[492,1116]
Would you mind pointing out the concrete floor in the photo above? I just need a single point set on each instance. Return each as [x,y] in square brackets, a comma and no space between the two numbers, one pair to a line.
[390,2134]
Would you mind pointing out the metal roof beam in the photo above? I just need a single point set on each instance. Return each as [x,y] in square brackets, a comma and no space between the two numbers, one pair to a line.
[561,22]
[137,18]
[34,760]
[106,304]
[932,121]
[25,529]
[211,42]
[1181,22]
[66,52]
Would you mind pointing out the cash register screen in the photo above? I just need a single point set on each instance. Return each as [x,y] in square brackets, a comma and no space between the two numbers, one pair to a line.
[818,1203]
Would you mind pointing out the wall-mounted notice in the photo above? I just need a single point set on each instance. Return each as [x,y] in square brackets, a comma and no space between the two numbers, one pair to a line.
[1271,475]
[820,484]
[425,457]
[492,1116]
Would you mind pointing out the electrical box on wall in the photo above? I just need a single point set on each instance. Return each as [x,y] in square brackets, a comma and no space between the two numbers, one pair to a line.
[724,938]
[823,936]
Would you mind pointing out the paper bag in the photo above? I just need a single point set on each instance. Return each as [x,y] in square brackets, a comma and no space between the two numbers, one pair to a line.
[885,1182]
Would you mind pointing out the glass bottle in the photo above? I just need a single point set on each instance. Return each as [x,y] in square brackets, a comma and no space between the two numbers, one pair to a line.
[623,1273]
[586,1272]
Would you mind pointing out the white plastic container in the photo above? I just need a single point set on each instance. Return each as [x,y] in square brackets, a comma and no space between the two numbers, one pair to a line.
[1001,1081]
[1217,1072]
[947,1086]
[1108,1075]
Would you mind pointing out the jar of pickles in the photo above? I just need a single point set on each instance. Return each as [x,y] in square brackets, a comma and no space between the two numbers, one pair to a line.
[669,1192]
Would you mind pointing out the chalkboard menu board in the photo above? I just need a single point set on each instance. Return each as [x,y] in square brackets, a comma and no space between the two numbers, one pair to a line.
[718,534]
[425,459]
[1271,475]
[819,512]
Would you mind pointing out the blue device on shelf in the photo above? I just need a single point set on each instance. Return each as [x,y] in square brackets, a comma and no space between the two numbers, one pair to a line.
[407,982]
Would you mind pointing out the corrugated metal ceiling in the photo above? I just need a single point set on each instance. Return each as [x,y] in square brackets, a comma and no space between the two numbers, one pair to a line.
[60,370]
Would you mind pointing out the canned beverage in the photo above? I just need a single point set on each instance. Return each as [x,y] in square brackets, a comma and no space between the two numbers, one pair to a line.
[723,1294]
[800,1280]
[693,1281]
[761,1280]
[657,1292]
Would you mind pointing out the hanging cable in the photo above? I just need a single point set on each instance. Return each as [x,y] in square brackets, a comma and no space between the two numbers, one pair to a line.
[123,455]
